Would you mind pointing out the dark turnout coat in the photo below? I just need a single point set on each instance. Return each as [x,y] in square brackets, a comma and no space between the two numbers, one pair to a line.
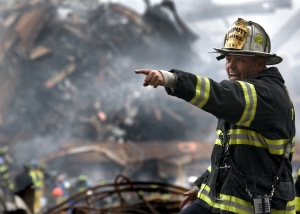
[297,187]
[257,117]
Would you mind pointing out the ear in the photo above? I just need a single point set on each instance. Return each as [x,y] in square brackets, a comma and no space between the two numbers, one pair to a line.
[261,64]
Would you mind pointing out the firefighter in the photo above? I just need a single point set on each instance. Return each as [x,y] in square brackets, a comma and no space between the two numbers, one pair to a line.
[57,195]
[250,169]
[49,182]
[38,183]
[24,186]
[5,182]
[81,184]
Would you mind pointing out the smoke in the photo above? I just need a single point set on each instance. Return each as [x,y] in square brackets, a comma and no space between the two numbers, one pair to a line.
[104,80]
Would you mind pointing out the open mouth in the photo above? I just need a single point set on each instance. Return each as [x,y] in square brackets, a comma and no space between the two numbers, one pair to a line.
[234,76]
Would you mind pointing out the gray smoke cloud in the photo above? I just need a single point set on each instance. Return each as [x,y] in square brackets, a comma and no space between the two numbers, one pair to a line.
[62,113]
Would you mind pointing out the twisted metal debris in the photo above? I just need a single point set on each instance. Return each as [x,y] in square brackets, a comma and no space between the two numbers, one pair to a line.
[124,196]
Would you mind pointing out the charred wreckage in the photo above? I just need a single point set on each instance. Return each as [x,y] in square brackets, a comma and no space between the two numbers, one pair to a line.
[67,72]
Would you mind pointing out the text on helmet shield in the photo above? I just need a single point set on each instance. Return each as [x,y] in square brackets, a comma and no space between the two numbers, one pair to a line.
[236,36]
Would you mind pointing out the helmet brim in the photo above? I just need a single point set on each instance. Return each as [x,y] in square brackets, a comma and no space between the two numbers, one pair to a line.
[271,59]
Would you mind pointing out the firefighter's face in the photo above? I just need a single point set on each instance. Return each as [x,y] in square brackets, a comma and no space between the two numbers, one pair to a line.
[242,67]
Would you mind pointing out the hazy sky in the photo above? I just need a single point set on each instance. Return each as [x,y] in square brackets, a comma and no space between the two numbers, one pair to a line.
[272,22]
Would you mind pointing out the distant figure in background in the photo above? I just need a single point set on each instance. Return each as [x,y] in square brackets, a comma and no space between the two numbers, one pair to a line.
[24,186]
[6,184]
[63,183]
[60,192]
[38,183]
[81,184]
[49,181]
[57,195]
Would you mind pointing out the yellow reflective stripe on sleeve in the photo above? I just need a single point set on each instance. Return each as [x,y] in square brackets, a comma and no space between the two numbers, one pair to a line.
[299,171]
[201,92]
[297,203]
[250,104]
[252,138]
[237,205]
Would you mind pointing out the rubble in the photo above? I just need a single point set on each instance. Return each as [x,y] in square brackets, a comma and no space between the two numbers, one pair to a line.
[67,71]
[124,196]
[68,76]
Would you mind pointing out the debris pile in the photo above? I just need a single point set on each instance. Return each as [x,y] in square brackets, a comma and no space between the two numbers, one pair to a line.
[71,72]
[70,97]
[124,196]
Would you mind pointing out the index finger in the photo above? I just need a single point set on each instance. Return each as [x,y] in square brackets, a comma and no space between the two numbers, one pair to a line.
[143,71]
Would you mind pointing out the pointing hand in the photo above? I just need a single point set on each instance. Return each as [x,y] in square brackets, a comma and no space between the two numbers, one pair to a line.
[153,77]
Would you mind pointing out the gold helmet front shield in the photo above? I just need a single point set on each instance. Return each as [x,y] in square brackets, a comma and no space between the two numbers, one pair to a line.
[236,35]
